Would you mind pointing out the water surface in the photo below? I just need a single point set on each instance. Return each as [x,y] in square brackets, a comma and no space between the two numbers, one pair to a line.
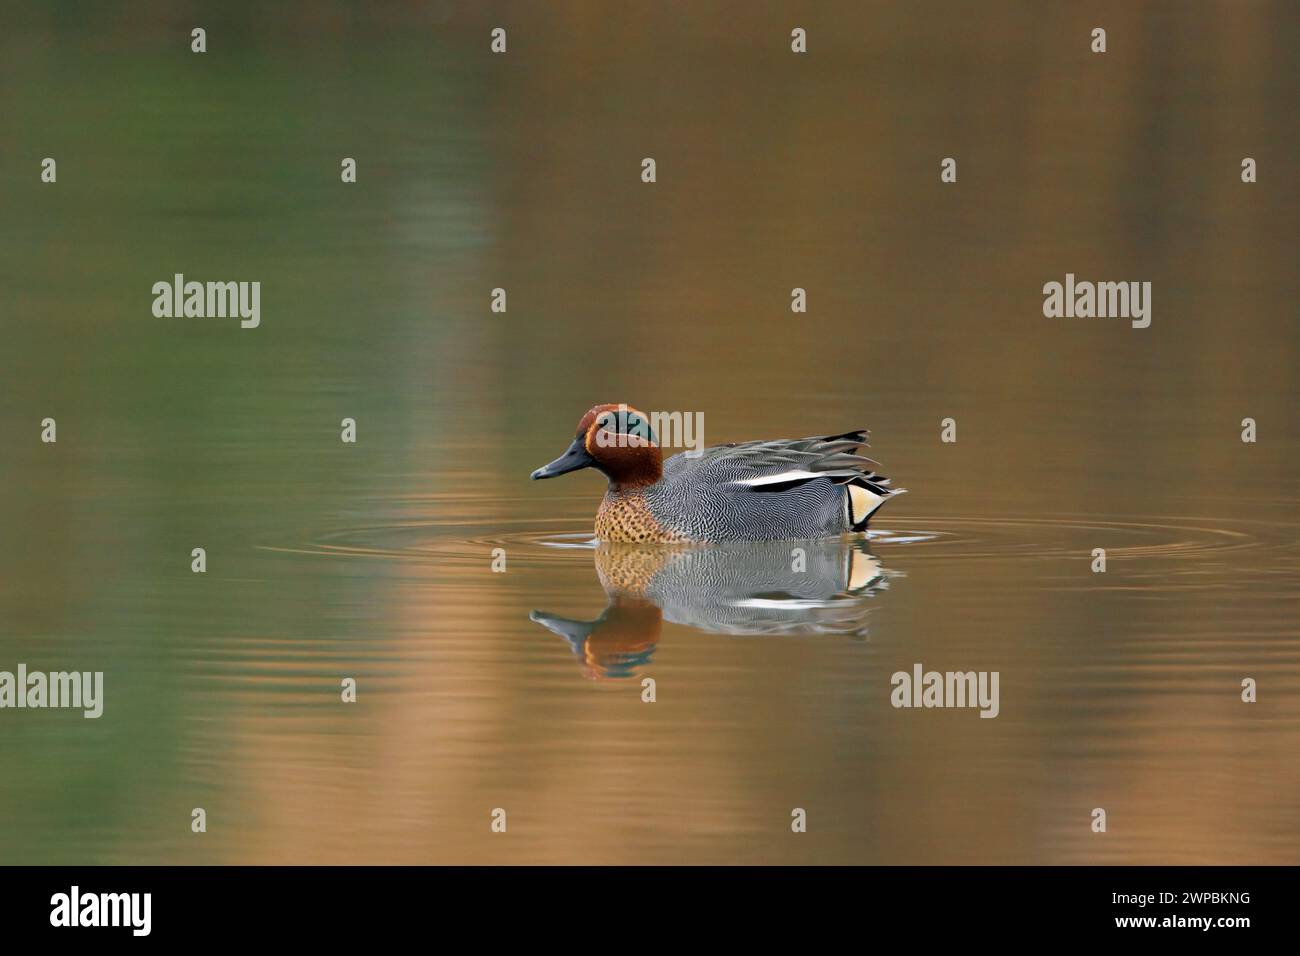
[522,690]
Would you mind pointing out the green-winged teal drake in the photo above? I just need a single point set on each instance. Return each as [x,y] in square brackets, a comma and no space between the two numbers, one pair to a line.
[751,491]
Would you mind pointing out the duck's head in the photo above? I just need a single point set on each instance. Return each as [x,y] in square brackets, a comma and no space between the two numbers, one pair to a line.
[615,440]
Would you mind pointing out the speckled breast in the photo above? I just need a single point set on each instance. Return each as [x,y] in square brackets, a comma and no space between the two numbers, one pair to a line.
[627,517]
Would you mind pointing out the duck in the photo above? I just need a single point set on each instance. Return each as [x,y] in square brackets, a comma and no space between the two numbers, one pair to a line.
[766,490]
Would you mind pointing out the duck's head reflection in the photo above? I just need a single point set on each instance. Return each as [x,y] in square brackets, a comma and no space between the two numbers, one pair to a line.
[740,588]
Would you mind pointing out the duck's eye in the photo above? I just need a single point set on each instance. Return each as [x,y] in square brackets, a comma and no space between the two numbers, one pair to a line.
[605,421]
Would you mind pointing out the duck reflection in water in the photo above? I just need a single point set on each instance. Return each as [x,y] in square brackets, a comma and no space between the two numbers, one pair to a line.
[741,588]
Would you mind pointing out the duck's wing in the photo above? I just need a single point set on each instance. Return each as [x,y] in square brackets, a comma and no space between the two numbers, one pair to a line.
[781,464]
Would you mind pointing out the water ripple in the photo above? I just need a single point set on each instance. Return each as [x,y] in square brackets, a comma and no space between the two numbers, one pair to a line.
[944,538]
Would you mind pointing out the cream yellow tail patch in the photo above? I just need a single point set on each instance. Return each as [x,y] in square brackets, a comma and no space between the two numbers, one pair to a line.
[861,503]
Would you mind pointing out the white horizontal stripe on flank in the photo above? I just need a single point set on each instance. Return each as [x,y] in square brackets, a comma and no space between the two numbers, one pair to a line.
[784,476]
[789,604]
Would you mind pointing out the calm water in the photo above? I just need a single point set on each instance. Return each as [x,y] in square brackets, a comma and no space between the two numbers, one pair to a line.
[522,690]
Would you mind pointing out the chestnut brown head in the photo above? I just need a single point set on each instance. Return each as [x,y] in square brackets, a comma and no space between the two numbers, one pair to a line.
[617,441]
